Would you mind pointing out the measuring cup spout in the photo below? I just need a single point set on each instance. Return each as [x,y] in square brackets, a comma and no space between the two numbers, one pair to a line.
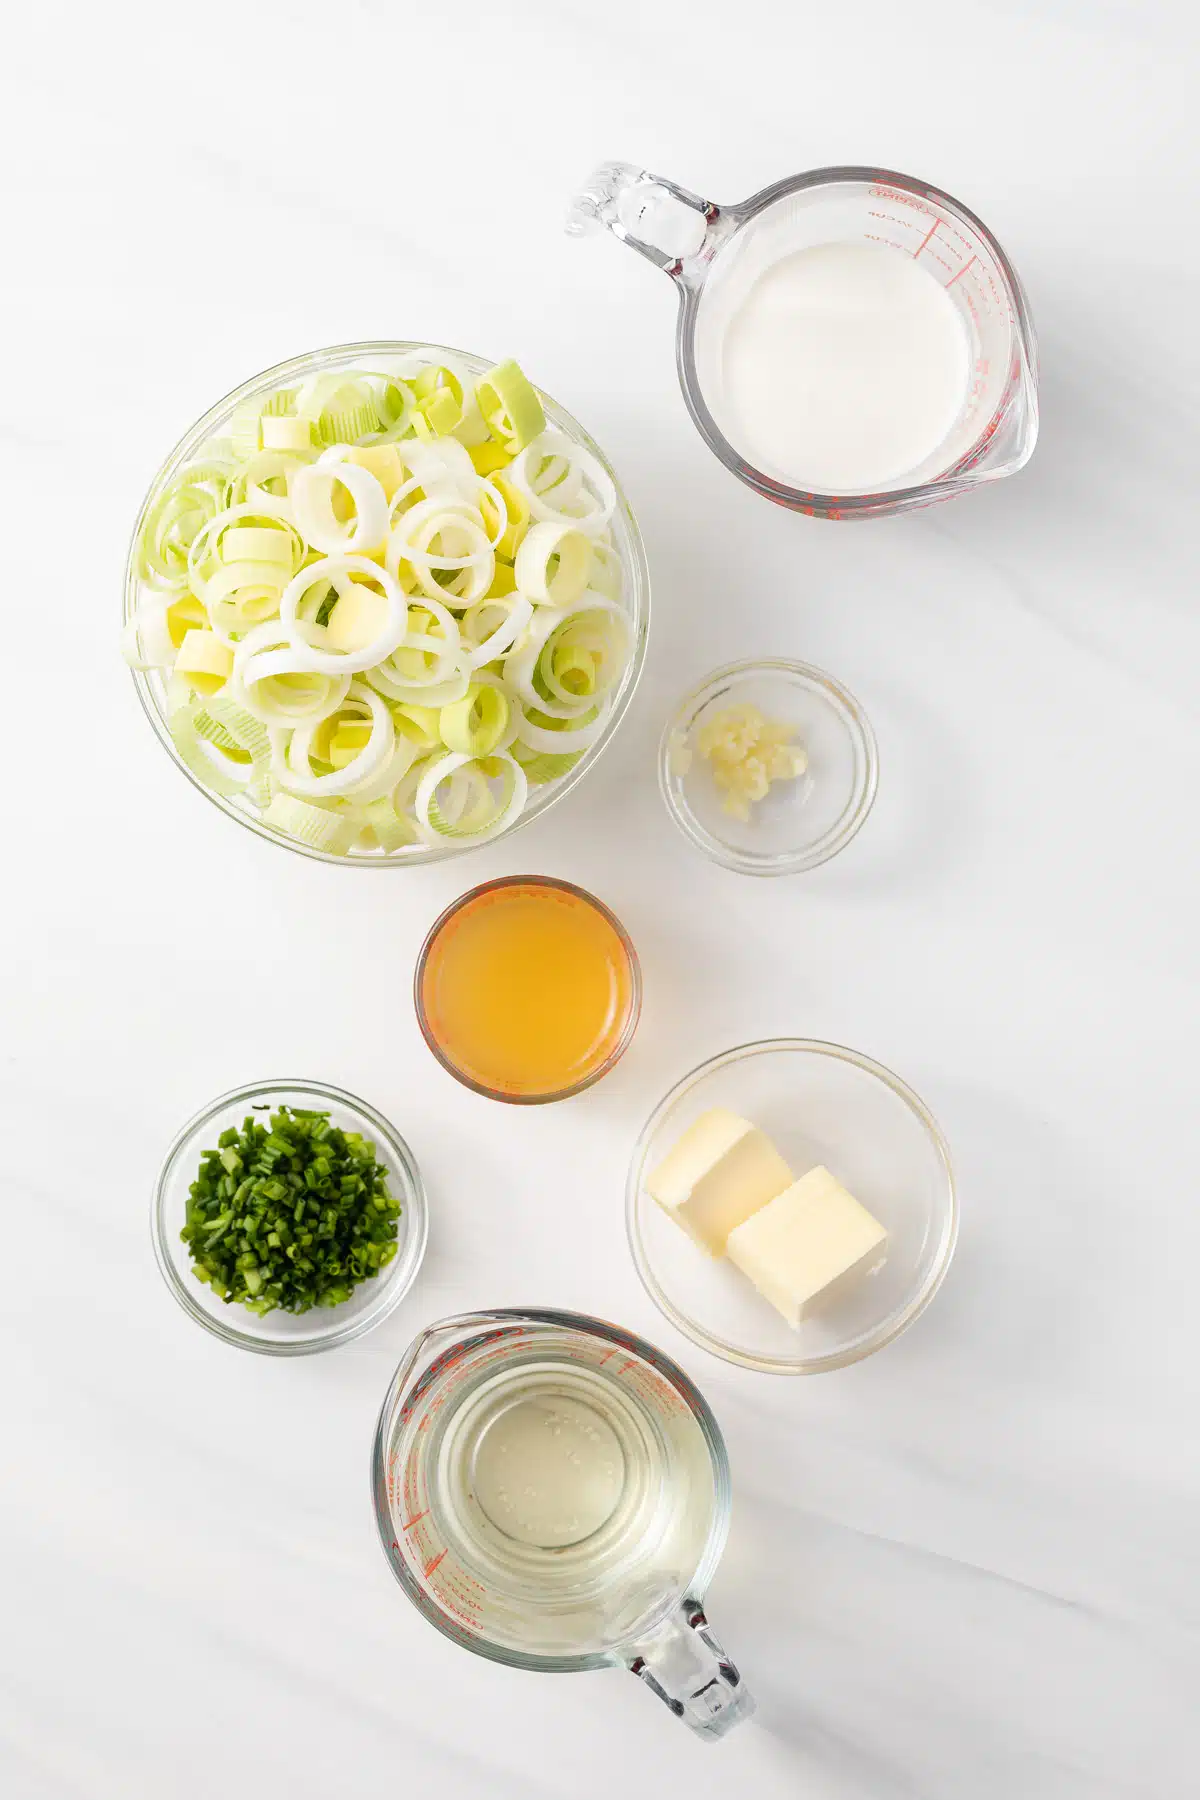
[684,1664]
[674,229]
[424,1348]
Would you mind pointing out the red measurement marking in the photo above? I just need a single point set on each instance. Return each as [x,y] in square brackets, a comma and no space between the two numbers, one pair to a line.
[926,239]
[962,271]
[605,1358]
[415,1520]
[433,1563]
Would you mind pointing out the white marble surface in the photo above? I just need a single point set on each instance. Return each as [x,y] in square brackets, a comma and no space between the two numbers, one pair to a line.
[966,1568]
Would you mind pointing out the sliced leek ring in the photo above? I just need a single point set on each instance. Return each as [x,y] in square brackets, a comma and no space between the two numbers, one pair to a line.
[560,737]
[293,763]
[477,724]
[192,498]
[335,571]
[565,483]
[514,611]
[312,495]
[432,823]
[553,563]
[511,406]
[308,824]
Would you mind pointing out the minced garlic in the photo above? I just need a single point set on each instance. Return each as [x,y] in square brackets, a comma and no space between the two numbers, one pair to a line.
[748,752]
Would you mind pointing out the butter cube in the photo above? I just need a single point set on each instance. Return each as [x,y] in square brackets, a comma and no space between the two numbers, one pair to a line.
[806,1244]
[719,1173]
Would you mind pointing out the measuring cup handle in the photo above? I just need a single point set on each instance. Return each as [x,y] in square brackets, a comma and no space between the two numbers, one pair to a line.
[686,1667]
[669,226]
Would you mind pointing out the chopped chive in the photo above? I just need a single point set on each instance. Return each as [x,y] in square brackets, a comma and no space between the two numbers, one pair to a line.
[291,1216]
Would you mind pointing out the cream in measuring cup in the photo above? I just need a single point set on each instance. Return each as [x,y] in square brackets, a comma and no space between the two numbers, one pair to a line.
[845,366]
[850,341]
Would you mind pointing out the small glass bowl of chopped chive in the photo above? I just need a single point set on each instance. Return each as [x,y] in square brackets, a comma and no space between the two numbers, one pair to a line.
[768,767]
[289,1216]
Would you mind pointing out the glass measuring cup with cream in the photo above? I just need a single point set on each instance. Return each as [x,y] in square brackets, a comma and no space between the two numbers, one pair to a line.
[552,1492]
[850,342]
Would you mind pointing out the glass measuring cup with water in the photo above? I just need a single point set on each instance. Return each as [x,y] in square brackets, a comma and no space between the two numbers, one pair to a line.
[724,259]
[553,1492]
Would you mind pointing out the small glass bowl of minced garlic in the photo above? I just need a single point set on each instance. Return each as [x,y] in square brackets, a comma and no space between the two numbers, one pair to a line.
[768,767]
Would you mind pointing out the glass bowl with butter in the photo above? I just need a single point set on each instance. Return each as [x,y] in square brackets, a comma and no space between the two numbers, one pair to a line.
[791,1206]
[769,767]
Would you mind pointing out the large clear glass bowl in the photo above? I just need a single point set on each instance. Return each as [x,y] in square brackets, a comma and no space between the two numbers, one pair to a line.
[376,355]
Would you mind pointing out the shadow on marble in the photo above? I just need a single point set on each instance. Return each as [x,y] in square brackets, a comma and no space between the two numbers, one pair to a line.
[1014,1302]
[923,828]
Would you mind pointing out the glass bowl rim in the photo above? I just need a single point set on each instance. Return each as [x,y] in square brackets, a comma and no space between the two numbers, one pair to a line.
[639,601]
[407,1263]
[849,822]
[635,999]
[721,1347]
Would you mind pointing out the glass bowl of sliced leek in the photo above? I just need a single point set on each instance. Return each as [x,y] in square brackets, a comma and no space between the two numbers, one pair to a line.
[385,602]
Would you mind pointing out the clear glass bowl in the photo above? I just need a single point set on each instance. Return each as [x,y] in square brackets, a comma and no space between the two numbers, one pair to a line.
[151,688]
[282,1333]
[819,1103]
[516,1095]
[801,822]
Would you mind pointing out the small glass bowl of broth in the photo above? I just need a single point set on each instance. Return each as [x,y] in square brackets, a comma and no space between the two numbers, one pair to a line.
[528,989]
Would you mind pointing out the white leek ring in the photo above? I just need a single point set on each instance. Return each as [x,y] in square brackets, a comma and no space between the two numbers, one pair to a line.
[383,784]
[516,612]
[253,483]
[205,557]
[587,494]
[466,573]
[263,660]
[559,743]
[241,595]
[146,641]
[311,492]
[520,664]
[596,625]
[608,575]
[330,569]
[294,769]
[427,813]
[553,563]
[193,497]
[436,683]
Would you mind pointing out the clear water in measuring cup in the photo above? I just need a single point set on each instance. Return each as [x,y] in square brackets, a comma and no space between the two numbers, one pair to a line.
[552,1493]
[853,338]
